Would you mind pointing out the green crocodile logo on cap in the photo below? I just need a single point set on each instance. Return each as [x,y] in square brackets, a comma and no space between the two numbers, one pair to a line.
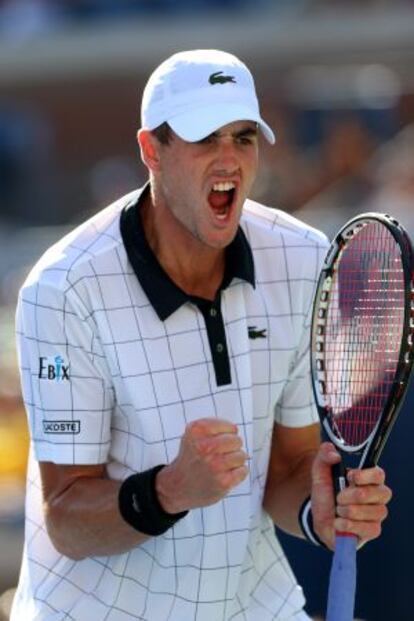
[218,78]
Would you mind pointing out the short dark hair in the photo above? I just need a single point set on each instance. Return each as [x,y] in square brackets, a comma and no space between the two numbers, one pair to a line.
[163,133]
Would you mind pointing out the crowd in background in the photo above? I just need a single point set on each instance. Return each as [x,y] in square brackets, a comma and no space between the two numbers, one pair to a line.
[25,17]
[20,18]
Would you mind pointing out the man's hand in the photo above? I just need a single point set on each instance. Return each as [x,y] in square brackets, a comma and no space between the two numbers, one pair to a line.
[209,464]
[360,508]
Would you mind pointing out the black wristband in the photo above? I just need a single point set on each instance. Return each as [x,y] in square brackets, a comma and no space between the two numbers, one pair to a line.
[139,505]
[306,523]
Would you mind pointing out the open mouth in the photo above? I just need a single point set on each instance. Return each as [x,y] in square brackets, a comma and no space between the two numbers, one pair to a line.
[221,198]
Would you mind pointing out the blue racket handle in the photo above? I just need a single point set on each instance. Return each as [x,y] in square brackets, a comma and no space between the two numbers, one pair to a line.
[342,581]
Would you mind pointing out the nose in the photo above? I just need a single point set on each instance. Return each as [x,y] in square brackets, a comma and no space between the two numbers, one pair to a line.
[226,157]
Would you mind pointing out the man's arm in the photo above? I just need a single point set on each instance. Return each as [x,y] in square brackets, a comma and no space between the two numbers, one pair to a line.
[300,466]
[81,502]
[81,511]
[288,483]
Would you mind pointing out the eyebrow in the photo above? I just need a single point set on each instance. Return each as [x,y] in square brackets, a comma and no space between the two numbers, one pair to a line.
[243,133]
[249,131]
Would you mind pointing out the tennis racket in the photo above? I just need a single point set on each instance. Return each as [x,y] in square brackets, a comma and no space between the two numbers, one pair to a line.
[362,356]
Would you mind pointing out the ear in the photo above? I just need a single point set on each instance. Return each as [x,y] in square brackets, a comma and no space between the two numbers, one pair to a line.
[149,149]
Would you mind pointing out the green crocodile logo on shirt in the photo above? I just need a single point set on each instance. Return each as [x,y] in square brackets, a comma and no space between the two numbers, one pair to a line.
[256,334]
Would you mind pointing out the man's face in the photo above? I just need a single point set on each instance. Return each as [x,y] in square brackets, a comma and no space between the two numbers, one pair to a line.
[204,184]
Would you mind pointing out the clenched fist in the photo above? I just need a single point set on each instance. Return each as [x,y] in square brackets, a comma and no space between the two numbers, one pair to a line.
[210,462]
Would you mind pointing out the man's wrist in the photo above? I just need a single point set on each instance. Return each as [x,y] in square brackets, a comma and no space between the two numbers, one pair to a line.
[166,490]
[140,507]
[305,519]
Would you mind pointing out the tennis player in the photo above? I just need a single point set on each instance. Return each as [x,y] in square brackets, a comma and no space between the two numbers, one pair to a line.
[164,357]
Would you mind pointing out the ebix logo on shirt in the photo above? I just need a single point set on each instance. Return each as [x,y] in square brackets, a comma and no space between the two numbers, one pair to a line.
[53,368]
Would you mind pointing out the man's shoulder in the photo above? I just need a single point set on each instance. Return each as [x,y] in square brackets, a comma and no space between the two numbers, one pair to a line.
[262,222]
[76,253]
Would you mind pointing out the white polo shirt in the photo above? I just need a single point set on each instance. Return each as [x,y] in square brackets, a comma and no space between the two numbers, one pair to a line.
[115,361]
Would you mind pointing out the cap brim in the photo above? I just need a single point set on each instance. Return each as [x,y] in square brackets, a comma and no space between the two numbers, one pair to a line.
[208,119]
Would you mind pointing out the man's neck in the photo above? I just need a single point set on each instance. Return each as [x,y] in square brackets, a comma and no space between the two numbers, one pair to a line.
[195,268]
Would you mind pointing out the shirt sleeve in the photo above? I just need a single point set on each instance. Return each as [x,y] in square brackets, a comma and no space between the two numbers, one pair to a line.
[66,385]
[296,405]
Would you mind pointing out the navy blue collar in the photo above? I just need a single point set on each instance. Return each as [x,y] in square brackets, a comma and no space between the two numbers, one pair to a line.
[165,296]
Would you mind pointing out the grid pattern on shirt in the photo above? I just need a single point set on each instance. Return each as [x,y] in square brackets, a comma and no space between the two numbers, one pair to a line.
[134,383]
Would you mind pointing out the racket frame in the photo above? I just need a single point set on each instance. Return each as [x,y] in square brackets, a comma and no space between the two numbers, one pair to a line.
[371,448]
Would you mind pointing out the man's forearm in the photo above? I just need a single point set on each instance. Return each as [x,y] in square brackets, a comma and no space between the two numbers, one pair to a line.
[85,521]
[285,494]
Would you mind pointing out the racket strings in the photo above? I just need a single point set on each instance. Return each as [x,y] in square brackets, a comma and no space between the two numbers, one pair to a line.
[363,331]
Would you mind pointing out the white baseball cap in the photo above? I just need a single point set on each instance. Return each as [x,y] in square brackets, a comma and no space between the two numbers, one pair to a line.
[198,91]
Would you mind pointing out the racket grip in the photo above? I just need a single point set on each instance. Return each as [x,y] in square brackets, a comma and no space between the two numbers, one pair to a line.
[342,582]
[339,477]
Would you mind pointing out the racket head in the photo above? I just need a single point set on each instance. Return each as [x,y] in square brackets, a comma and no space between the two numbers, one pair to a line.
[363,333]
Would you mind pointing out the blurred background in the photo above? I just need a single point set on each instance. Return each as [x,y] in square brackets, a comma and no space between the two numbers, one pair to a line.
[336,82]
